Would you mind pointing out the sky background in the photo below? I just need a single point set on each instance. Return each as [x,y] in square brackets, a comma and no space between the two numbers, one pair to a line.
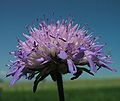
[102,16]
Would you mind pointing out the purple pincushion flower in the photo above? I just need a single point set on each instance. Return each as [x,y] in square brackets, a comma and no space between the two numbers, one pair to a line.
[59,46]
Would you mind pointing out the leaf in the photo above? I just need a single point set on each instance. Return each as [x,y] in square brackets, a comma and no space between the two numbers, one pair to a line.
[41,76]
[84,69]
[98,68]
[80,71]
[76,75]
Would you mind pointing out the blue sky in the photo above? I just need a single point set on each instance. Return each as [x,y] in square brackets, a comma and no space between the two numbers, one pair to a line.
[102,16]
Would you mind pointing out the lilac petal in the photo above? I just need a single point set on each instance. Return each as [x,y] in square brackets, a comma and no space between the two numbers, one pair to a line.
[44,62]
[87,53]
[12,71]
[91,63]
[81,48]
[71,66]
[31,39]
[26,36]
[17,76]
[106,66]
[40,59]
[62,55]
[106,59]
[12,53]
[98,47]
[75,27]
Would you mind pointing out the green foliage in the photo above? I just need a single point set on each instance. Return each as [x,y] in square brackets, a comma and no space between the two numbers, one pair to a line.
[78,90]
[0,93]
[1,80]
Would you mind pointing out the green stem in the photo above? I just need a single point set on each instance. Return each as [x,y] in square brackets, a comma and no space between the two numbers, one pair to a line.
[60,86]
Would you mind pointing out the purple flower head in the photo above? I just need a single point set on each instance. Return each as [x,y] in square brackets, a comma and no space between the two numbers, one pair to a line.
[59,46]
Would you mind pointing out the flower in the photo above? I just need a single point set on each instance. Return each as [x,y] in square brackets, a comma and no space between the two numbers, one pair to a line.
[57,47]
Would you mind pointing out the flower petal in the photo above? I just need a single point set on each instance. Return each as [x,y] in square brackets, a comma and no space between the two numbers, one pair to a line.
[12,71]
[17,76]
[106,66]
[91,63]
[71,66]
[62,55]
[40,59]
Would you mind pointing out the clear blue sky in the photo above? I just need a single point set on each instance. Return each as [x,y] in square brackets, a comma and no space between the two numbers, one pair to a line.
[103,16]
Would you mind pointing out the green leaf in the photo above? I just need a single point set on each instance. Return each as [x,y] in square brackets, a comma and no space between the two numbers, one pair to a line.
[41,76]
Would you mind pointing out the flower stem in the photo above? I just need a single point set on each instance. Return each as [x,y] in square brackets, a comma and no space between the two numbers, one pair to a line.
[60,86]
